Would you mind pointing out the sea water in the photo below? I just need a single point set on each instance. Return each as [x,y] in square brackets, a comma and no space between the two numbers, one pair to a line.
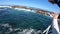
[22,22]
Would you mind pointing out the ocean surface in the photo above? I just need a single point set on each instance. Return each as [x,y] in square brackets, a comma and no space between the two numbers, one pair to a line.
[22,22]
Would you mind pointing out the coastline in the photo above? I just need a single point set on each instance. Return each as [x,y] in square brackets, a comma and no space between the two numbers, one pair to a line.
[35,10]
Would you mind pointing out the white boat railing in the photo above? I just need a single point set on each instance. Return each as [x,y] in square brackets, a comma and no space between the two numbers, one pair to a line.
[47,30]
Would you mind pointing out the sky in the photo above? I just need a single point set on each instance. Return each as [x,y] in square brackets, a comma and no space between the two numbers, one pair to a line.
[42,4]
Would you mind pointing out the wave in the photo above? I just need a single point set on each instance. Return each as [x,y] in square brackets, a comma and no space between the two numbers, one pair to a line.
[7,29]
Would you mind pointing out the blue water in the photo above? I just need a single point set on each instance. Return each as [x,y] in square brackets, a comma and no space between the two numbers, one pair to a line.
[24,19]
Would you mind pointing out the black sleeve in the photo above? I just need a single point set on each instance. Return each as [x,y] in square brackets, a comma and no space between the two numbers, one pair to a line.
[59,3]
[59,16]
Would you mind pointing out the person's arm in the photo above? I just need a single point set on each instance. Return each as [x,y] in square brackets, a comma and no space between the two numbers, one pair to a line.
[55,23]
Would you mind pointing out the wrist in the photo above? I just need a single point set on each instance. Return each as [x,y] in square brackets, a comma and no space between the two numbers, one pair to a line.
[55,18]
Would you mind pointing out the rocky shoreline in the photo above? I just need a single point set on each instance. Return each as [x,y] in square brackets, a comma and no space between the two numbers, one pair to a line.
[36,10]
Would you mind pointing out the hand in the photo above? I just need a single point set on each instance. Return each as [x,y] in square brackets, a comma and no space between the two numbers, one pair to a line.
[55,16]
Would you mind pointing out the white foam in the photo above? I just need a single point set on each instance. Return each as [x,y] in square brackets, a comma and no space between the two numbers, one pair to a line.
[25,9]
[5,25]
[18,30]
